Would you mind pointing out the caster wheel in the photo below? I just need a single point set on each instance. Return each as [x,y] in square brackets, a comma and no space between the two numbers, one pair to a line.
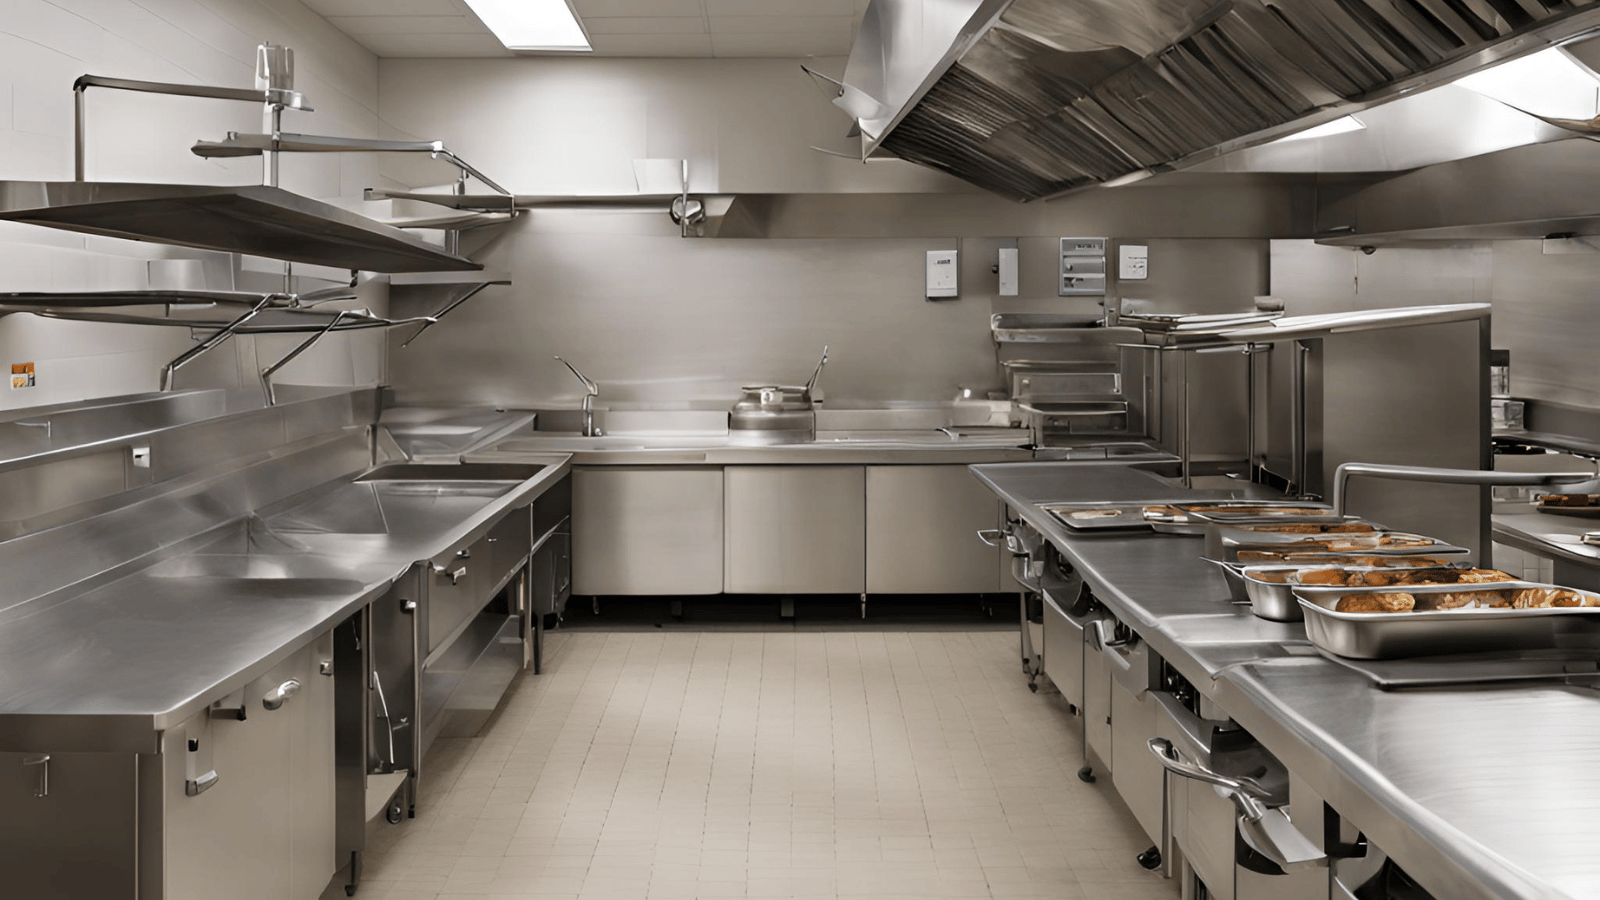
[349,890]
[1150,859]
[1086,774]
[1033,686]
[394,815]
[1072,710]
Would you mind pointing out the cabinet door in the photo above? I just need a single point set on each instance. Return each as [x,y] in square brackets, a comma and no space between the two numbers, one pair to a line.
[646,530]
[238,838]
[796,530]
[79,839]
[311,774]
[922,531]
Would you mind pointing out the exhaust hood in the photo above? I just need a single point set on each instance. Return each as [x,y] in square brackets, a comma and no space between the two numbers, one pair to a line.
[1035,98]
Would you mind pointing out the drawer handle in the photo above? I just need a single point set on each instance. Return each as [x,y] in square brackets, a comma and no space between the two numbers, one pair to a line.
[1268,831]
[194,787]
[993,537]
[42,760]
[275,698]
[464,553]
[455,574]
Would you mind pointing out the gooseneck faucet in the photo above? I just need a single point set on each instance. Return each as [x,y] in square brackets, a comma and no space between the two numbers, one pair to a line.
[591,391]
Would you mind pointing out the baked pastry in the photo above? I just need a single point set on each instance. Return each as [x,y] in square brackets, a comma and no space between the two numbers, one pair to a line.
[1547,598]
[1461,599]
[1376,603]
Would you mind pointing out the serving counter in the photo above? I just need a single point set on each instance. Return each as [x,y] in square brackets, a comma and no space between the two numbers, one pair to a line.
[1477,791]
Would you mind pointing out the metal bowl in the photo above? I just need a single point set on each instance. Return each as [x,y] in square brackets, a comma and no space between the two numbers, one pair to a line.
[1273,600]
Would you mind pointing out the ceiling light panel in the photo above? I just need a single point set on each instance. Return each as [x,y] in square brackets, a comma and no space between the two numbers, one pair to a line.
[533,24]
[1337,126]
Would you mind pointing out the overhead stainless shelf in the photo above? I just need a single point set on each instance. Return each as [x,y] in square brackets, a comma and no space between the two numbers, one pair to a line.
[253,219]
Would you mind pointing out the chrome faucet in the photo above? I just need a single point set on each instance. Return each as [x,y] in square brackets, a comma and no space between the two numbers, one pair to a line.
[591,391]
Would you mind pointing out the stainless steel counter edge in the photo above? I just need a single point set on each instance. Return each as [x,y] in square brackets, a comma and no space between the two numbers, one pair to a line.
[842,453]
[1532,531]
[140,731]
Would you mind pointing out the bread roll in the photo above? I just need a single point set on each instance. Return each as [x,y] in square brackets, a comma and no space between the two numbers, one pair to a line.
[1376,603]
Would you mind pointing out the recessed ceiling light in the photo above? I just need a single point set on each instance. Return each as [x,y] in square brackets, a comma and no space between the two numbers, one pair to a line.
[1337,126]
[1547,83]
[533,24]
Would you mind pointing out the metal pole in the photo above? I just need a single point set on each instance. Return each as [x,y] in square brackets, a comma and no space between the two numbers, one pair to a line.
[1250,411]
[1297,417]
[1186,454]
[272,124]
[78,137]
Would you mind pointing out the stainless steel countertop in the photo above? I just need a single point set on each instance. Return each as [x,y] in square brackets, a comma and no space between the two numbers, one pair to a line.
[107,667]
[1478,792]
[1547,534]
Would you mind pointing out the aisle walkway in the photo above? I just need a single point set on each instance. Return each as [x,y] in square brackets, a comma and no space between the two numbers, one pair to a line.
[666,765]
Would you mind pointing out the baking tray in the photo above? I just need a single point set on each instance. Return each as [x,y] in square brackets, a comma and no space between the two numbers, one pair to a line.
[1430,633]
[1576,666]
[1224,542]
[1272,597]
[1589,510]
[1190,517]
[1104,515]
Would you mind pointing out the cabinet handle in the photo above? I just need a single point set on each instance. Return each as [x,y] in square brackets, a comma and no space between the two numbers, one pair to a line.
[276,697]
[991,536]
[455,574]
[1267,830]
[194,787]
[42,760]
[465,553]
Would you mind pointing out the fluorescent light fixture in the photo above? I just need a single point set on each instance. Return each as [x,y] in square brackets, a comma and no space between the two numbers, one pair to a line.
[1547,83]
[1337,126]
[533,24]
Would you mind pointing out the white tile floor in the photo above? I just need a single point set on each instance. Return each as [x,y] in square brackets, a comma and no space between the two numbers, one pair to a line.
[863,764]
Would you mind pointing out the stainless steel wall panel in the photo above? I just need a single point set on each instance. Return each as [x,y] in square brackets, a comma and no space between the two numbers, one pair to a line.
[795,530]
[647,530]
[921,531]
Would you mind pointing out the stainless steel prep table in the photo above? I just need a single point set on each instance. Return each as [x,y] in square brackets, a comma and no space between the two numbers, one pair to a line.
[106,669]
[1155,583]
[1478,792]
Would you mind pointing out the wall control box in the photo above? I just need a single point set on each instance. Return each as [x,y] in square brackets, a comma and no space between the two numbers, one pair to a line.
[944,274]
[1007,270]
[1083,267]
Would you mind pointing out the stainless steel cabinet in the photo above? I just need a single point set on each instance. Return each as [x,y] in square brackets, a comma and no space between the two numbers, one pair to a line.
[922,524]
[1063,649]
[247,805]
[795,529]
[78,839]
[647,530]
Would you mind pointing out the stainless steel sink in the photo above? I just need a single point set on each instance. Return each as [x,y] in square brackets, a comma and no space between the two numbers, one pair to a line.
[403,499]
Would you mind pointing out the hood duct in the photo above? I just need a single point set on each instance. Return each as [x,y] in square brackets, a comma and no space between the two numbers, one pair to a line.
[1034,98]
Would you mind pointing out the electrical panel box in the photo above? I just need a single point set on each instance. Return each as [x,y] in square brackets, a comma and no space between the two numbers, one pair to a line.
[1083,267]
[944,274]
[1008,271]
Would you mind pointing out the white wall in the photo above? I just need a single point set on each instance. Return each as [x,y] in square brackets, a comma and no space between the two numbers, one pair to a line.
[44,46]
[571,126]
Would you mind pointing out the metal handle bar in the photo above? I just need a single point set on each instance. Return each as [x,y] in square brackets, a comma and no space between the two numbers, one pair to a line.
[1447,476]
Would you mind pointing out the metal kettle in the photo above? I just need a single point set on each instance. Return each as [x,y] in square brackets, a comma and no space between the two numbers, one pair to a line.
[778,397]
[775,413]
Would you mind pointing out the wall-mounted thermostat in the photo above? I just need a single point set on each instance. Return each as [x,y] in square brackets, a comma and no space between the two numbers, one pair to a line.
[944,274]
[1133,262]
[1083,267]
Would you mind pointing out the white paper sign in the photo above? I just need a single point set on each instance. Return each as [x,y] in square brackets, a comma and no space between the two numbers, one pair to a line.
[1133,262]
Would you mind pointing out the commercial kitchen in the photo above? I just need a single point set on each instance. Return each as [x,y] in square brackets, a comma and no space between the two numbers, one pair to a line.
[654,449]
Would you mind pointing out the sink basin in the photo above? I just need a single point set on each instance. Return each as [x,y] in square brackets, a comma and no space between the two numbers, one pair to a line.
[404,499]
